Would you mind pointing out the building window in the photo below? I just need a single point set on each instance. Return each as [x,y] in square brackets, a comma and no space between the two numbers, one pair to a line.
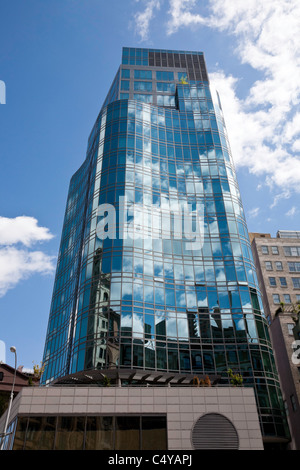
[294,267]
[143,74]
[272,281]
[125,73]
[278,265]
[40,432]
[143,86]
[165,76]
[283,282]
[91,433]
[275,250]
[296,282]
[264,250]
[291,250]
[293,402]
[276,299]
[143,97]
[287,298]
[125,85]
[165,87]
[268,265]
[298,298]
[291,326]
[165,100]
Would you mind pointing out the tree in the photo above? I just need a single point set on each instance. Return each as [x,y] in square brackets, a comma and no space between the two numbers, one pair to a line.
[38,370]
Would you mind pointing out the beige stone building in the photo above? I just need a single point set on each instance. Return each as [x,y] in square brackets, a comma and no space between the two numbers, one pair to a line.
[277,261]
[134,418]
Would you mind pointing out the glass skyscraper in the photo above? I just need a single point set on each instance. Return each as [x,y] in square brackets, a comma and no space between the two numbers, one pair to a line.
[134,288]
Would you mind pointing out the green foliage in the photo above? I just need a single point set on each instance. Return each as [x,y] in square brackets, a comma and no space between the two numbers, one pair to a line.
[106,381]
[235,379]
[38,370]
[183,80]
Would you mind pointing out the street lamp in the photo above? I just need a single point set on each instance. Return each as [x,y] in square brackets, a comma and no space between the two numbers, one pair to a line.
[13,350]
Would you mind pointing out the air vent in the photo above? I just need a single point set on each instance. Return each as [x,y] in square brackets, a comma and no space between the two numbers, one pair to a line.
[214,431]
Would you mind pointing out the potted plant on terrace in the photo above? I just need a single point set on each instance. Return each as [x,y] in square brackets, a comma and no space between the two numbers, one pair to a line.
[236,380]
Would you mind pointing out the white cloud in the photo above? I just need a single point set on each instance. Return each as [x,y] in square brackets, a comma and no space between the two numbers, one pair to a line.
[143,18]
[291,212]
[22,229]
[180,15]
[263,127]
[284,195]
[18,263]
[254,212]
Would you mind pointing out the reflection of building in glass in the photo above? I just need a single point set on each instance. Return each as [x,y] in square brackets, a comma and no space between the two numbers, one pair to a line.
[151,301]
[97,327]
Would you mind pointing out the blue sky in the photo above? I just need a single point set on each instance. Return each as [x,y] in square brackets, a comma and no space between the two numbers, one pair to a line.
[57,61]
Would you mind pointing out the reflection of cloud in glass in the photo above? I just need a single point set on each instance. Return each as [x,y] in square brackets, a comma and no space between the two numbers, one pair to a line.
[138,265]
[148,267]
[133,324]
[226,321]
[115,291]
[137,326]
[180,299]
[191,301]
[178,271]
[127,264]
[126,321]
[239,322]
[126,289]
[159,317]
[148,293]
[159,295]
[247,306]
[138,290]
[220,274]
[202,302]
[182,325]
[138,179]
[171,327]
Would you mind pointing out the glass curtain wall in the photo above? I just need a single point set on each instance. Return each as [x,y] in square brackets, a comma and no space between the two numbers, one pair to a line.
[133,288]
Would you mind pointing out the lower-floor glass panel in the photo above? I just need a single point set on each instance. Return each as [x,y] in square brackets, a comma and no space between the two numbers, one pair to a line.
[154,433]
[20,434]
[126,432]
[99,433]
[70,433]
[40,433]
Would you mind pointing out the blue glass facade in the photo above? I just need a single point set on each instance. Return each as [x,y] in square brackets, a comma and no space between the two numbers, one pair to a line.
[150,302]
